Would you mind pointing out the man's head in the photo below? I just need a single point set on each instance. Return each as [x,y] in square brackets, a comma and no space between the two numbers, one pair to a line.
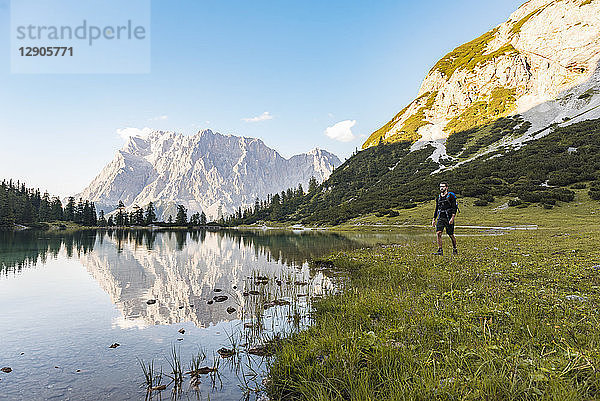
[443,187]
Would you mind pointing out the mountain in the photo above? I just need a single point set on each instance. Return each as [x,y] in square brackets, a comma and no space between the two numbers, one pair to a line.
[204,172]
[541,64]
[514,113]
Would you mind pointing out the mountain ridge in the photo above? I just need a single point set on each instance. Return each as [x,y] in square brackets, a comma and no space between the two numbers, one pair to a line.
[207,171]
[545,48]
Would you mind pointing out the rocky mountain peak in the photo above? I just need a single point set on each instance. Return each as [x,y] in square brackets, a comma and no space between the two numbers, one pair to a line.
[207,172]
[535,64]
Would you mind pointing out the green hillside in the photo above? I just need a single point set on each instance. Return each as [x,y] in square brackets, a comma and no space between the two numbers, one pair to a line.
[388,177]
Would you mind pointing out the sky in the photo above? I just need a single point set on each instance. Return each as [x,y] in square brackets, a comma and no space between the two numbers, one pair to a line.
[298,75]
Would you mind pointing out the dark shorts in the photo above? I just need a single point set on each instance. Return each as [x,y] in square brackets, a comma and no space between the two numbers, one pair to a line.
[444,223]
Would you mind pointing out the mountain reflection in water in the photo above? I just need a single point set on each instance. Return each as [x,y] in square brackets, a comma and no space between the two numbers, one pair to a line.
[179,269]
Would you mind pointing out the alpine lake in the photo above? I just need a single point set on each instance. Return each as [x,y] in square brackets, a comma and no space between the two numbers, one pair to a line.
[150,314]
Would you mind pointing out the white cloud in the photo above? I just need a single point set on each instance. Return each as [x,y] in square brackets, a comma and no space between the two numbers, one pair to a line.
[263,117]
[125,133]
[341,131]
[159,118]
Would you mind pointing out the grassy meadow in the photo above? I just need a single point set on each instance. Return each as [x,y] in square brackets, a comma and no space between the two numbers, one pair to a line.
[512,317]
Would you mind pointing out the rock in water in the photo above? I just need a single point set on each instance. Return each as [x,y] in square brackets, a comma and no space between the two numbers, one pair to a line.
[6,369]
[225,352]
[220,298]
[151,301]
[230,310]
[115,345]
[182,330]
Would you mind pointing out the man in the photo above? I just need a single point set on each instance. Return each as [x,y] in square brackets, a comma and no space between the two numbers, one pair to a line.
[445,212]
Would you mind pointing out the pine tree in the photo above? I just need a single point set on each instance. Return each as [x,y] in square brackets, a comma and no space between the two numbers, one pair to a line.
[102,220]
[170,221]
[312,185]
[93,215]
[79,212]
[202,219]
[44,209]
[110,222]
[181,218]
[150,214]
[70,209]
[120,217]
[56,210]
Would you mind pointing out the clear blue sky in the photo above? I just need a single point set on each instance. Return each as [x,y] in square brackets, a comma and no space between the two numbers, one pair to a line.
[308,64]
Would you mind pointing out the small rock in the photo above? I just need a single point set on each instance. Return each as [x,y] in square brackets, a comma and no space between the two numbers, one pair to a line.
[57,367]
[201,371]
[151,301]
[181,307]
[210,302]
[220,298]
[302,295]
[78,370]
[260,350]
[180,339]
[115,345]
[225,353]
[253,292]
[301,283]
[182,331]
[191,306]
[245,293]
[230,310]
[235,287]
[159,388]
[280,302]
[217,290]
[576,298]
[6,369]
[22,353]
[248,325]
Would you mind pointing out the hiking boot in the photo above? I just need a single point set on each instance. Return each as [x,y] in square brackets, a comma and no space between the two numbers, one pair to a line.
[439,252]
[454,251]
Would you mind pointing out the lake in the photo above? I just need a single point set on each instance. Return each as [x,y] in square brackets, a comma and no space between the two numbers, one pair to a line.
[66,298]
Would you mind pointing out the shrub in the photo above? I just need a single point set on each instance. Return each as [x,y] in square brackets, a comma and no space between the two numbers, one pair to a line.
[579,185]
[515,202]
[480,202]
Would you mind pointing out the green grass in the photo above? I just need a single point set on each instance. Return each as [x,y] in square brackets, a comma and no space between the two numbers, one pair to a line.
[470,54]
[500,102]
[582,211]
[501,321]
[512,317]
[408,131]
[518,25]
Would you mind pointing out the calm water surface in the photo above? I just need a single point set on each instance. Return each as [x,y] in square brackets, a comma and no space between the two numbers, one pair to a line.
[65,298]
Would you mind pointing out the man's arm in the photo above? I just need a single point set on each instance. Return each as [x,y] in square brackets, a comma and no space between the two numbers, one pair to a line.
[453,209]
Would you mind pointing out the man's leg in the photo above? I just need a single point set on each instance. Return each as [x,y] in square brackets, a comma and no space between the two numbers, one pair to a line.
[453,238]
[439,241]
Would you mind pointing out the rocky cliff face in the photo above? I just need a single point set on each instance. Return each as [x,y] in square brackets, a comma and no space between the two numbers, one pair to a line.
[542,63]
[204,172]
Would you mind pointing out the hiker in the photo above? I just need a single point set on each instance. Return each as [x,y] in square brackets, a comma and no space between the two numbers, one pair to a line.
[445,212]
